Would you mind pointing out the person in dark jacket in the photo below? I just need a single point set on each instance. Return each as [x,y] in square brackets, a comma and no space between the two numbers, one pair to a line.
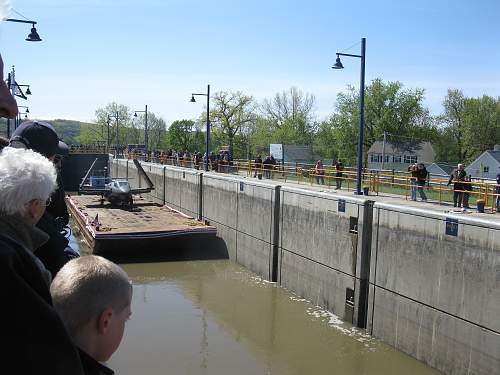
[42,138]
[458,177]
[421,175]
[258,167]
[497,191]
[467,189]
[339,167]
[413,181]
[267,165]
[36,339]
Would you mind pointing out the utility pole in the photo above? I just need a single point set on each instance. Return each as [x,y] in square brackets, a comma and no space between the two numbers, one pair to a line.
[383,151]
[12,88]
[146,129]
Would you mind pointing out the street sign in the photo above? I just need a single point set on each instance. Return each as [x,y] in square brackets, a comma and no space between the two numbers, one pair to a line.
[276,149]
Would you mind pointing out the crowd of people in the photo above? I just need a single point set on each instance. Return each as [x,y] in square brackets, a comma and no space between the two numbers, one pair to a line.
[64,314]
[220,162]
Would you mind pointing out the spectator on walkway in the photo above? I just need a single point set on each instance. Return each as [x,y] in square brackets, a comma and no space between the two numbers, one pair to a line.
[497,191]
[421,179]
[319,171]
[458,177]
[37,342]
[273,165]
[267,164]
[258,167]
[339,167]
[467,189]
[213,161]
[93,295]
[413,181]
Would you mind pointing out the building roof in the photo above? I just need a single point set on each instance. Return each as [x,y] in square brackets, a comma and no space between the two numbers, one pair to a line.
[417,148]
[495,154]
[445,167]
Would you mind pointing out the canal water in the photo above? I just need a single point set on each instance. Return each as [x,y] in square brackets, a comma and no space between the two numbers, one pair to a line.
[216,317]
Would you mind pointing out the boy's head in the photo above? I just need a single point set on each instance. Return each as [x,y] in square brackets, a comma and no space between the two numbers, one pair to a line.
[92,296]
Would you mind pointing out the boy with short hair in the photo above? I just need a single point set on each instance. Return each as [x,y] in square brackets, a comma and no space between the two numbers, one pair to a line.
[93,296]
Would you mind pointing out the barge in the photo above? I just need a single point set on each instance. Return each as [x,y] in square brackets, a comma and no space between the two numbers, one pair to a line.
[145,226]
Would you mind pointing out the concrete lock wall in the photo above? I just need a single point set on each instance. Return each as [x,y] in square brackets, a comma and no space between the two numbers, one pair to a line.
[435,288]
[319,246]
[419,280]
[242,211]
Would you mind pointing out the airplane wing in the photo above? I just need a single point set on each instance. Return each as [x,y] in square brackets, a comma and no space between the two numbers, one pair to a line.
[141,190]
[93,191]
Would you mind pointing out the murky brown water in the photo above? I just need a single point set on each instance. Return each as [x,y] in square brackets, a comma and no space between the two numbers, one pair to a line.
[215,317]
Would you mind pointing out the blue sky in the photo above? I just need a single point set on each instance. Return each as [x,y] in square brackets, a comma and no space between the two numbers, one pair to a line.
[158,52]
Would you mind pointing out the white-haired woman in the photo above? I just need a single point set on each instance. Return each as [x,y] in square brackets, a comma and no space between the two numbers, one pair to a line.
[38,342]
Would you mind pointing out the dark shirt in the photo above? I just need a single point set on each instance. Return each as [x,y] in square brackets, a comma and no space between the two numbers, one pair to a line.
[258,162]
[91,366]
[57,207]
[52,253]
[339,167]
[457,177]
[421,175]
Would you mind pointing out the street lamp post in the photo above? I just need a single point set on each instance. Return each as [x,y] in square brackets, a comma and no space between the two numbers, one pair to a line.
[207,140]
[25,113]
[109,139]
[33,35]
[15,90]
[338,65]
[145,126]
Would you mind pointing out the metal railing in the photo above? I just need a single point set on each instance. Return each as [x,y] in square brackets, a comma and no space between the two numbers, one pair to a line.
[374,181]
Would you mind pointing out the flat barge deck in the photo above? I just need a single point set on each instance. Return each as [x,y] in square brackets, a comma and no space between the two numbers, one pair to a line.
[144,226]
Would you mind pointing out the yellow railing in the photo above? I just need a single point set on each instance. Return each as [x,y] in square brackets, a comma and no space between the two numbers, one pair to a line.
[377,182]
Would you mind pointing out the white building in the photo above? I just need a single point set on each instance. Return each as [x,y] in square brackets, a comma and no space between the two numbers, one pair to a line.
[399,156]
[487,165]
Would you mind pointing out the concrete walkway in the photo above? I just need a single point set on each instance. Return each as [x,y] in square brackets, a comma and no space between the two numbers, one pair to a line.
[386,198]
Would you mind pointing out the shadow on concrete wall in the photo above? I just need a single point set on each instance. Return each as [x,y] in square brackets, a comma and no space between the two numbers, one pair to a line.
[183,249]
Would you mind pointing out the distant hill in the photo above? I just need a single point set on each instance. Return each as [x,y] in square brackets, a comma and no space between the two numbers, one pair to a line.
[68,130]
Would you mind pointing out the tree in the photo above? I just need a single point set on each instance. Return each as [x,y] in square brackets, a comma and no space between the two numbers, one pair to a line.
[118,132]
[388,108]
[291,117]
[230,112]
[157,129]
[454,123]
[183,135]
[481,124]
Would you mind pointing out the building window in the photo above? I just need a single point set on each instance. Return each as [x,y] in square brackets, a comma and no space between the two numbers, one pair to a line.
[486,169]
[375,158]
[410,159]
[386,158]
[396,159]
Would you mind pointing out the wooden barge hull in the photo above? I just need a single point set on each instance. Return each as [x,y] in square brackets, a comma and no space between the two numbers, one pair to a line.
[146,227]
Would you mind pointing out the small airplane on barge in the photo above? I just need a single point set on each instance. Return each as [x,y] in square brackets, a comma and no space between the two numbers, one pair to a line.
[116,191]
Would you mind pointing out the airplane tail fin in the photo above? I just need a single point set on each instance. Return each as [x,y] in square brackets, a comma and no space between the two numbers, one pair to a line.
[143,174]
[87,174]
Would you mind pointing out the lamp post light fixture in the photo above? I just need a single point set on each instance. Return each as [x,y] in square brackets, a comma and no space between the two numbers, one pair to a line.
[338,65]
[207,139]
[145,126]
[15,90]
[33,35]
[116,117]
[19,113]
[28,91]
